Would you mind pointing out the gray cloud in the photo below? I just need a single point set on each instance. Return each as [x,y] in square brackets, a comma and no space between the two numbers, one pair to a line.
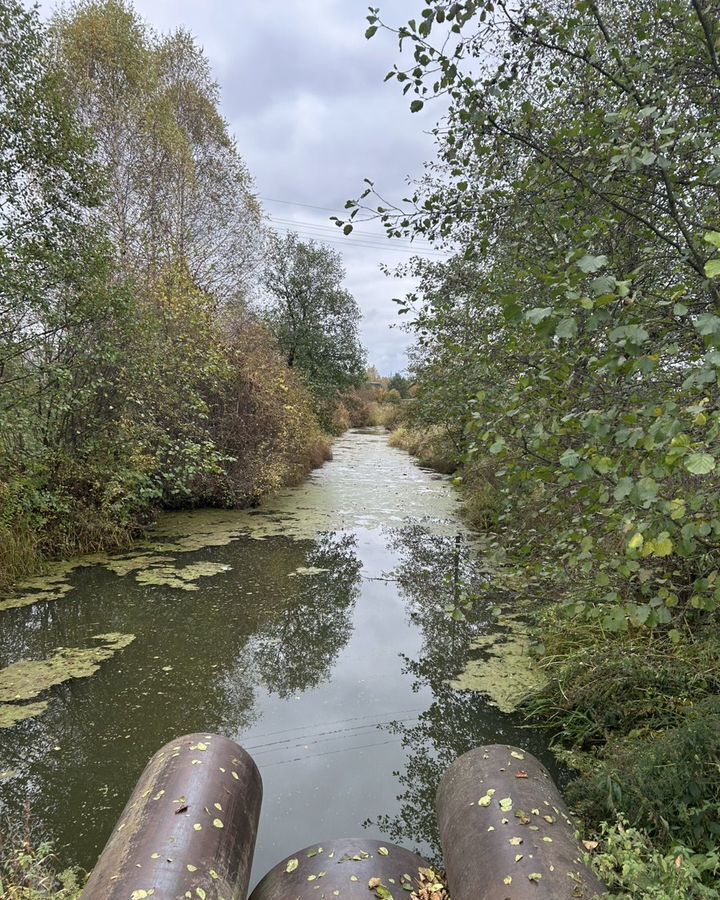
[303,92]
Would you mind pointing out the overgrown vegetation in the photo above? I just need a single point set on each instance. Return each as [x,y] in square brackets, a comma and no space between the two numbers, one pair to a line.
[567,362]
[30,870]
[137,368]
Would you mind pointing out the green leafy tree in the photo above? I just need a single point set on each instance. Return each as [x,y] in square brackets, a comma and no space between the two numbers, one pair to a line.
[314,318]
[578,174]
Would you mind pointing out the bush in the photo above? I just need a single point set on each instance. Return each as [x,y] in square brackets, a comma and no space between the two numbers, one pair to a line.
[627,862]
[30,871]
[638,716]
[431,446]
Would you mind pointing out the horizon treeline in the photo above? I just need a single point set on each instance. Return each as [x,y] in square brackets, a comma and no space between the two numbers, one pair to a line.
[138,366]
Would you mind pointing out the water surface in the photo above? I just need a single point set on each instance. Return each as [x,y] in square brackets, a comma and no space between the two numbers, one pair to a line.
[312,630]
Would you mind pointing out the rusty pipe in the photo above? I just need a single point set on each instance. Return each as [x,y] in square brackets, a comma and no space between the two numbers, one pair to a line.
[188,829]
[506,833]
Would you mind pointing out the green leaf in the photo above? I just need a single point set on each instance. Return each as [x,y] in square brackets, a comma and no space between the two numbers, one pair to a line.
[538,314]
[371,31]
[699,463]
[416,106]
[569,459]
[712,268]
[707,324]
[590,263]
[712,237]
[567,328]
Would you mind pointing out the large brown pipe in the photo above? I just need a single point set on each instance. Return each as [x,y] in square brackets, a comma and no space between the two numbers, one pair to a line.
[506,833]
[189,828]
[348,869]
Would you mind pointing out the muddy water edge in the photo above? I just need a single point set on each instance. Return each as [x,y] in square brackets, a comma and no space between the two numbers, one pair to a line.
[313,630]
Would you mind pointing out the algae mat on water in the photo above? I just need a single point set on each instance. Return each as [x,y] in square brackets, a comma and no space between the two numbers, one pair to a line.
[506,672]
[27,679]
[353,498]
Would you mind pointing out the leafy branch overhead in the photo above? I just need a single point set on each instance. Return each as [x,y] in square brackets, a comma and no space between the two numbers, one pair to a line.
[575,335]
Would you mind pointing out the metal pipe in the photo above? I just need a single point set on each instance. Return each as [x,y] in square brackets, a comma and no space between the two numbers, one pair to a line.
[350,869]
[506,833]
[188,829]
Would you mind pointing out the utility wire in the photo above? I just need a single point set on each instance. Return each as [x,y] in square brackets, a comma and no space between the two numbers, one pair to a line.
[400,712]
[285,762]
[348,244]
[334,228]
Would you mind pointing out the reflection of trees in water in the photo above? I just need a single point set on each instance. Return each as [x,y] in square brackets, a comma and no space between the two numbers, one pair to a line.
[295,650]
[195,665]
[433,572]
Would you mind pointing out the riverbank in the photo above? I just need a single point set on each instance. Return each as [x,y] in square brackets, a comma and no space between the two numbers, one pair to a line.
[633,711]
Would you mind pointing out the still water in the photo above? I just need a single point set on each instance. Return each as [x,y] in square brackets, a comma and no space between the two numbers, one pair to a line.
[312,630]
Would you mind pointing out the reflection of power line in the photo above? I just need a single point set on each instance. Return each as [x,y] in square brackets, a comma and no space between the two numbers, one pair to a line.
[400,712]
[320,735]
[284,762]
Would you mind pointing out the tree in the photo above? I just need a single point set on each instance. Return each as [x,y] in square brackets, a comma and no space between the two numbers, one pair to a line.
[400,383]
[577,331]
[313,317]
[179,193]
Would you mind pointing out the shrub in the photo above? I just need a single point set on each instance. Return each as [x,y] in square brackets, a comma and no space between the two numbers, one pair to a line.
[431,446]
[633,869]
[30,871]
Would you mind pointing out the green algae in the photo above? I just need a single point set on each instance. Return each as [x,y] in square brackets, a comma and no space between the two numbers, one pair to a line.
[180,578]
[28,678]
[372,487]
[11,714]
[506,671]
[356,497]
[126,565]
[53,592]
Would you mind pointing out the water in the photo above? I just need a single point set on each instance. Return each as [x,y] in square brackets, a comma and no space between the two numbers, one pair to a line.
[317,638]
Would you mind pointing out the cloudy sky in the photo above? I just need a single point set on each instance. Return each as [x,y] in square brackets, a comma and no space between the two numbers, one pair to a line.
[303,92]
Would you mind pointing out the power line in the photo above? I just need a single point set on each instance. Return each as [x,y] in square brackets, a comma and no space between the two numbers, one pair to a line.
[320,737]
[355,245]
[295,203]
[401,712]
[349,244]
[403,242]
[284,762]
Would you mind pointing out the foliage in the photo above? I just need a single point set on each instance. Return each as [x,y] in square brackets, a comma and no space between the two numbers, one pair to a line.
[29,870]
[570,348]
[133,371]
[313,317]
[399,383]
[637,716]
[573,337]
[627,863]
[178,191]
[431,446]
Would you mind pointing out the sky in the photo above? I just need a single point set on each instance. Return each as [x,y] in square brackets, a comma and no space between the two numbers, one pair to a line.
[303,92]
